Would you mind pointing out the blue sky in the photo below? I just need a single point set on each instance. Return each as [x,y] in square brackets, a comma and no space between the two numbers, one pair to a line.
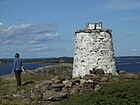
[45,28]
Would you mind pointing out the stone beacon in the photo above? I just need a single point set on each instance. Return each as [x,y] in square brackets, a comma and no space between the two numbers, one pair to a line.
[93,50]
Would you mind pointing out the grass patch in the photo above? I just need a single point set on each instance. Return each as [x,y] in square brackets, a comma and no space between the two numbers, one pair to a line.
[126,93]
[2,81]
[6,86]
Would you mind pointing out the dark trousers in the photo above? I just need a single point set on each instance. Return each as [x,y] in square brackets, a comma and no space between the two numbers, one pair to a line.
[18,77]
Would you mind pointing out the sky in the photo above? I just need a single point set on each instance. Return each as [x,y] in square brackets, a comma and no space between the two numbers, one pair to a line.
[45,28]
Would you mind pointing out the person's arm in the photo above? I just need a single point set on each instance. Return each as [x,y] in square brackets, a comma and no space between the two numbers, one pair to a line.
[14,66]
[21,63]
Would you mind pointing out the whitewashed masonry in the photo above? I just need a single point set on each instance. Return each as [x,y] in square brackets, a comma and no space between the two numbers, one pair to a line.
[93,50]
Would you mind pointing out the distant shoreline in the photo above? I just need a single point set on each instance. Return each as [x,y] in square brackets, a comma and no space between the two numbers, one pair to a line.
[3,63]
[40,60]
[60,60]
[57,60]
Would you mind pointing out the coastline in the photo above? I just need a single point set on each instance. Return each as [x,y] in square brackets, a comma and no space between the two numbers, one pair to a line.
[54,83]
[128,65]
[3,63]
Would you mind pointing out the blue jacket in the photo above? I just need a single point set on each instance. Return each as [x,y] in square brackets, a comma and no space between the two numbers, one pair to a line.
[17,64]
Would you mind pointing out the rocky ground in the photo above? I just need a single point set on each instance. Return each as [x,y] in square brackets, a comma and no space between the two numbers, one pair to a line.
[51,84]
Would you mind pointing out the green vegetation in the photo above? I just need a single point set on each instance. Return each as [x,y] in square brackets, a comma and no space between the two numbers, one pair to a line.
[125,93]
[58,60]
[120,93]
[2,81]
[49,60]
[6,86]
[10,94]
[8,89]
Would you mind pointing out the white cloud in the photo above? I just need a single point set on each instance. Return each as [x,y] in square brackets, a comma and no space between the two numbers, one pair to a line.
[45,38]
[27,28]
[27,38]
[135,50]
[27,33]
[1,23]
[35,49]
[7,42]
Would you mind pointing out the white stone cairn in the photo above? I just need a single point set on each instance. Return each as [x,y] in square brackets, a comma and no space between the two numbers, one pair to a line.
[93,50]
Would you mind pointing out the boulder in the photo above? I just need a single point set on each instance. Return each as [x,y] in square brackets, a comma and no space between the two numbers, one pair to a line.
[87,86]
[89,81]
[56,80]
[50,95]
[97,87]
[107,74]
[75,80]
[104,79]
[91,76]
[67,83]
[45,87]
[122,72]
[60,85]
[82,81]
[74,90]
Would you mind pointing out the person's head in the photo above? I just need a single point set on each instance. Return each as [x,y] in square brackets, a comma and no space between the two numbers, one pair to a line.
[17,55]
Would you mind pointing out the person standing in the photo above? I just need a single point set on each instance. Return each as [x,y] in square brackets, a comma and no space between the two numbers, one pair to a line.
[17,69]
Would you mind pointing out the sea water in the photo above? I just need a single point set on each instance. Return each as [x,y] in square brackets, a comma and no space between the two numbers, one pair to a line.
[7,68]
[127,64]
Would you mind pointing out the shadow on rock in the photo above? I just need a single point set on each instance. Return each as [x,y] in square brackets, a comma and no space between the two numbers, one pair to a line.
[28,82]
